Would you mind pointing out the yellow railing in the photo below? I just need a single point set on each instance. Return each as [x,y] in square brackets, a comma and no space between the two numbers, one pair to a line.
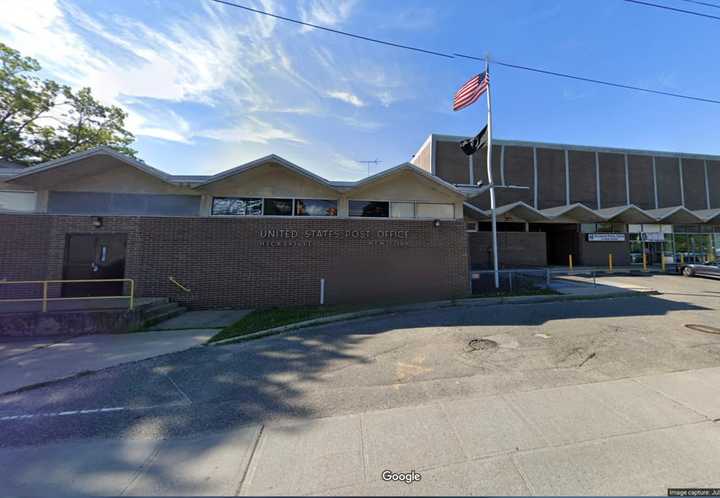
[45,299]
[181,286]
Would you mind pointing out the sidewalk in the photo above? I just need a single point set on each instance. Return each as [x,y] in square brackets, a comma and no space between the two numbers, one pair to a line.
[25,363]
[624,437]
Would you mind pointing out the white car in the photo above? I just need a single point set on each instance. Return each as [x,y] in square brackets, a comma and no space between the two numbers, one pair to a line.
[708,269]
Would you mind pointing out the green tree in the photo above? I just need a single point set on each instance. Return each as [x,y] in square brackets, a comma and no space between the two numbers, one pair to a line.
[41,120]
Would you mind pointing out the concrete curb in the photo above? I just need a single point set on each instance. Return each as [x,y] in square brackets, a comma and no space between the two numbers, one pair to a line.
[466,302]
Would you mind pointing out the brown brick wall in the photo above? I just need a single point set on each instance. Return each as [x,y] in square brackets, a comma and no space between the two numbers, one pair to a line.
[515,249]
[518,172]
[596,253]
[23,254]
[222,261]
[694,183]
[612,179]
[583,186]
[551,178]
[668,181]
[714,181]
[642,186]
[451,163]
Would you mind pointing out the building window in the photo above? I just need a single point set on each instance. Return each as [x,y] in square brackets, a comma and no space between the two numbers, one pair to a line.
[438,211]
[370,209]
[588,228]
[237,206]
[315,207]
[278,207]
[471,226]
[17,201]
[402,210]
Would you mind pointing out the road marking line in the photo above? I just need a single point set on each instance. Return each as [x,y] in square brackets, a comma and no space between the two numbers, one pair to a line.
[82,412]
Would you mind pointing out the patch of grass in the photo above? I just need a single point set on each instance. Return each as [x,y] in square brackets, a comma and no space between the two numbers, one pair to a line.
[277,317]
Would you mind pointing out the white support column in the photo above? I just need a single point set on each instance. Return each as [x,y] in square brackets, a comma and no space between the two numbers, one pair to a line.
[567,178]
[682,186]
[535,178]
[707,186]
[627,181]
[597,178]
[502,164]
[655,183]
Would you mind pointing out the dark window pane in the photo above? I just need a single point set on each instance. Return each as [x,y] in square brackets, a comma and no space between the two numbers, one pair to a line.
[278,207]
[370,209]
[315,207]
[238,206]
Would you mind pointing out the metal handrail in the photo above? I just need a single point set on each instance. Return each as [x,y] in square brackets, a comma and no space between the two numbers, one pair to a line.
[45,299]
[172,279]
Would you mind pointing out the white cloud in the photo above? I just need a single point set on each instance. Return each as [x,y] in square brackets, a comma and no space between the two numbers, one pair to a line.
[347,97]
[325,12]
[251,130]
[210,71]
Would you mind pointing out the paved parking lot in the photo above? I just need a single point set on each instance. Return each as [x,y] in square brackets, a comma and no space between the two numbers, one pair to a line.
[588,397]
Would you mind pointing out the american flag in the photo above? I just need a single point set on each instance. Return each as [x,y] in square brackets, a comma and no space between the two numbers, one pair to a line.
[471,91]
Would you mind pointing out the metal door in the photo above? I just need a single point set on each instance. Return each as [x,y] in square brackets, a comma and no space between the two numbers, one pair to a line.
[94,256]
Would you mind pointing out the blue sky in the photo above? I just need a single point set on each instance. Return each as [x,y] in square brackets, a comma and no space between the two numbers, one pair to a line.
[209,87]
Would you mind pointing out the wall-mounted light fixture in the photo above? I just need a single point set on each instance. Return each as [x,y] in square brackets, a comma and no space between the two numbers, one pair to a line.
[97,221]
[436,223]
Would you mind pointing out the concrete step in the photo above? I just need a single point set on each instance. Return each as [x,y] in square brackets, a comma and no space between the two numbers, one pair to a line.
[146,304]
[157,318]
[159,308]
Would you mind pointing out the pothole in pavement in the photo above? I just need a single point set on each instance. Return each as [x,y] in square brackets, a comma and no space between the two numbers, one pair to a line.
[481,345]
[705,329]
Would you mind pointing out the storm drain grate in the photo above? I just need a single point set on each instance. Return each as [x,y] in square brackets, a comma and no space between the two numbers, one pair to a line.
[706,329]
[482,345]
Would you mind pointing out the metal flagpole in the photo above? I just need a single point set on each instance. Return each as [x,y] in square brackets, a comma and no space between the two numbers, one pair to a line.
[489,175]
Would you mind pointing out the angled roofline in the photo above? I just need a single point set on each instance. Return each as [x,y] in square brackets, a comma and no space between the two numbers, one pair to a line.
[561,211]
[613,212]
[97,151]
[509,208]
[270,158]
[708,214]
[662,214]
[409,167]
[588,148]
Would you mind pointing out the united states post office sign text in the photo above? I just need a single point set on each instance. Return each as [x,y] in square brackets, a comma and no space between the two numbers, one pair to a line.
[303,238]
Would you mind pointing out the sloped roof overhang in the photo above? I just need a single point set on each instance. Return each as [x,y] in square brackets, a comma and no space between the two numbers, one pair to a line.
[413,169]
[675,215]
[269,159]
[522,211]
[572,213]
[626,214]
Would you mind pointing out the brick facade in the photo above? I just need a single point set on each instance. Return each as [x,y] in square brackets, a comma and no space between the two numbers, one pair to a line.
[227,262]
[515,249]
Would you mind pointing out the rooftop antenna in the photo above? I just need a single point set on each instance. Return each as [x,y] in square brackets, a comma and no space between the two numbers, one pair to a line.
[375,162]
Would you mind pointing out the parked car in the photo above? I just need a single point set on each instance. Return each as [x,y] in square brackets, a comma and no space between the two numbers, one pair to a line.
[707,269]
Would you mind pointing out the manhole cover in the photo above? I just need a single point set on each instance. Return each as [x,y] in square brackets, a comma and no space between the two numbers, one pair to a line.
[482,345]
[707,329]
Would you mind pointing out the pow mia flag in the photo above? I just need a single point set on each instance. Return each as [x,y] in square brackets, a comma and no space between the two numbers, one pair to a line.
[472,145]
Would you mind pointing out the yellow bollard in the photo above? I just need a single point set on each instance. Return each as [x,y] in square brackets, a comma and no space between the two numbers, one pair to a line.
[682,259]
[570,262]
[645,262]
[610,266]
[662,262]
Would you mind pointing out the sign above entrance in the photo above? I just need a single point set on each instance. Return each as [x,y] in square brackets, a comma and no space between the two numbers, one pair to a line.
[653,236]
[606,237]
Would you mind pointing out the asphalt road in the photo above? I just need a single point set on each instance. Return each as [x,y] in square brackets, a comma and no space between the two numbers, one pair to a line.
[401,361]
